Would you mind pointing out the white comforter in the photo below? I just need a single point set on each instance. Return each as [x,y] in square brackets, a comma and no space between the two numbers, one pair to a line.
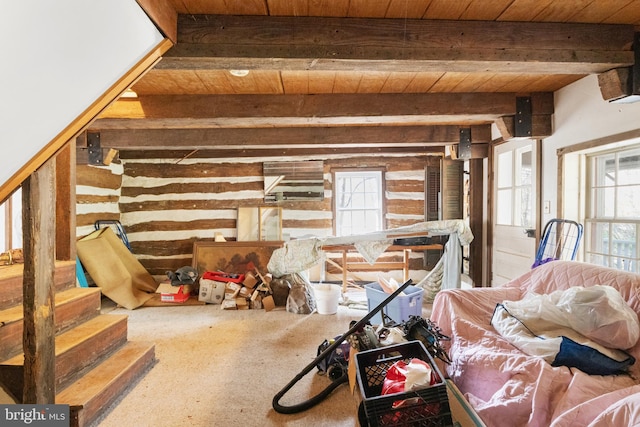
[579,327]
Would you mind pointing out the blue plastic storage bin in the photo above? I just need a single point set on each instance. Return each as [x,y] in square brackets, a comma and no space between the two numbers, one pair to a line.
[400,308]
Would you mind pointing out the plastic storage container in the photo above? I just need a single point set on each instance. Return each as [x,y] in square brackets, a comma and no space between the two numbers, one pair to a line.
[400,308]
[423,407]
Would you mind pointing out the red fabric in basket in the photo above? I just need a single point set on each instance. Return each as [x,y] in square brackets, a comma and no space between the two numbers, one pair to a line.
[396,376]
[394,382]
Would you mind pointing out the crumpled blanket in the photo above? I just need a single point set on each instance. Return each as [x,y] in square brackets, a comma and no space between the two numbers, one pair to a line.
[578,327]
[295,256]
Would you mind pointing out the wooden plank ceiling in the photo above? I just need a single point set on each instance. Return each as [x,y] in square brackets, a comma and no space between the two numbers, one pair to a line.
[395,75]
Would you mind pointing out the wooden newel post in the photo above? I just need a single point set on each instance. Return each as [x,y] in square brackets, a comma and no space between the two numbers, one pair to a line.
[38,228]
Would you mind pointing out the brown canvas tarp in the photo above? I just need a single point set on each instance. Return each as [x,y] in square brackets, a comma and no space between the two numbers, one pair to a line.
[115,269]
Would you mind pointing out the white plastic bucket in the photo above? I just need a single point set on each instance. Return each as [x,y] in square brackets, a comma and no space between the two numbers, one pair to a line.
[327,298]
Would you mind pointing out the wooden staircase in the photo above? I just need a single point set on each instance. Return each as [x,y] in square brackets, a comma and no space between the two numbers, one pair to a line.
[95,363]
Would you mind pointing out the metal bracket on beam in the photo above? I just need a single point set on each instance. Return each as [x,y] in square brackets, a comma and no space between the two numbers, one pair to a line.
[464,146]
[523,118]
[93,146]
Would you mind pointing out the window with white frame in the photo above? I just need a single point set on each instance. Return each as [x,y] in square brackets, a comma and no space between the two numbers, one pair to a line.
[358,201]
[613,209]
[515,186]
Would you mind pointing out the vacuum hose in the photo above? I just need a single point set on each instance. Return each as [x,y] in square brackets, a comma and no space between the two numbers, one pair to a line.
[310,403]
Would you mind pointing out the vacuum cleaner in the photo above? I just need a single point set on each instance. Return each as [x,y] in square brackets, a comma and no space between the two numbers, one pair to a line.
[320,359]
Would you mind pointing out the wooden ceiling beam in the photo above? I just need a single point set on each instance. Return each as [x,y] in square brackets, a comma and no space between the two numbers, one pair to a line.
[365,137]
[299,153]
[320,43]
[241,111]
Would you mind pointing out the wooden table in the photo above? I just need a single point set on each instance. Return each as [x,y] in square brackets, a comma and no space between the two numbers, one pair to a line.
[404,264]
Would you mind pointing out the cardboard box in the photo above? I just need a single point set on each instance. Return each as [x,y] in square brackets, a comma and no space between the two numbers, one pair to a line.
[174,294]
[229,304]
[250,280]
[245,292]
[211,291]
[232,289]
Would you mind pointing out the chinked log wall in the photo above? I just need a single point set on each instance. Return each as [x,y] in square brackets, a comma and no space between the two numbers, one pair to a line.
[165,204]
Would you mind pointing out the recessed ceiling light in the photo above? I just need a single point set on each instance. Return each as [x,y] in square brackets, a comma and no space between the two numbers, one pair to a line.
[239,73]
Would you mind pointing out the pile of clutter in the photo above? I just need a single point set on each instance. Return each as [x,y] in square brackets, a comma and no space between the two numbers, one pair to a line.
[239,291]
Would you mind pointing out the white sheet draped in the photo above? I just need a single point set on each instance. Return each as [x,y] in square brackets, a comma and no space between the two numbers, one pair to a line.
[301,254]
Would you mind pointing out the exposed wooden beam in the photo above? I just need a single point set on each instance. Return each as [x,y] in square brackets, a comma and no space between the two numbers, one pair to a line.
[615,84]
[541,126]
[286,138]
[478,151]
[476,220]
[237,111]
[66,202]
[38,226]
[304,43]
[281,153]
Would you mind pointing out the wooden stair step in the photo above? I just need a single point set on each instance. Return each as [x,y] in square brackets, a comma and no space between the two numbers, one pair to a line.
[11,281]
[91,395]
[72,306]
[83,345]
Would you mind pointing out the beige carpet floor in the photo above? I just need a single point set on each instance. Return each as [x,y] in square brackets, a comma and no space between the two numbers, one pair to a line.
[222,368]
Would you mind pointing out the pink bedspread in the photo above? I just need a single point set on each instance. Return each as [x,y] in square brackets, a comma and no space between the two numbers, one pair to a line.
[508,387]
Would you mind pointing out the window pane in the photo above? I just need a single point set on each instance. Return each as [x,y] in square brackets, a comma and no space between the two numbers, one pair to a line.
[372,201]
[599,237]
[370,185]
[357,218]
[622,263]
[629,168]
[373,217]
[358,201]
[505,169]
[504,207]
[523,207]
[624,240]
[605,170]
[627,202]
[355,182]
[603,202]
[597,259]
[523,166]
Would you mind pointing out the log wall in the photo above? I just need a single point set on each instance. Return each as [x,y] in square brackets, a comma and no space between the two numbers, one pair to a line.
[97,195]
[165,204]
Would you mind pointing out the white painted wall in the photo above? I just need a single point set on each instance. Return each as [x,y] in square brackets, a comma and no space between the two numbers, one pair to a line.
[581,115]
[58,58]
